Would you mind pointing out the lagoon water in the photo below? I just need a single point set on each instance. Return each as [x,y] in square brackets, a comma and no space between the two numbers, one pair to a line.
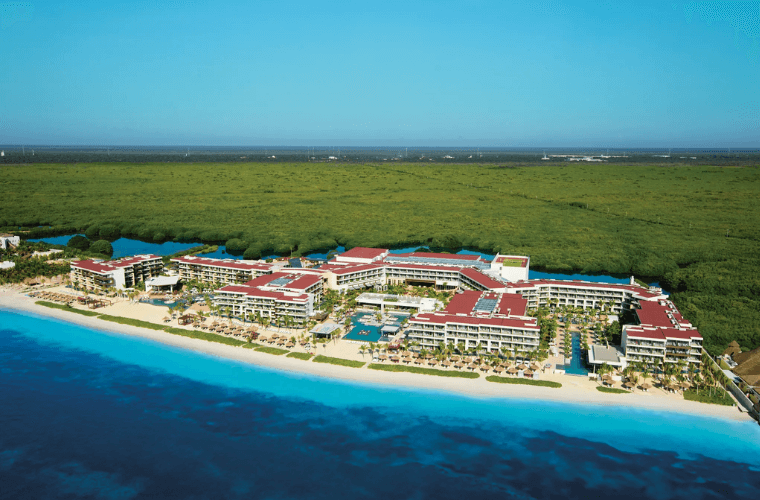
[126,247]
[92,414]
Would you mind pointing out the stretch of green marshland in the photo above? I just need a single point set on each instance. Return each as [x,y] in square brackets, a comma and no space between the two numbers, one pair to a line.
[694,228]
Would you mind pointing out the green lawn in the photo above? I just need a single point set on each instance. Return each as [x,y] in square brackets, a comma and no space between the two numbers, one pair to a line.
[207,336]
[719,396]
[523,381]
[423,371]
[338,361]
[64,307]
[512,263]
[271,350]
[130,321]
[611,390]
[300,355]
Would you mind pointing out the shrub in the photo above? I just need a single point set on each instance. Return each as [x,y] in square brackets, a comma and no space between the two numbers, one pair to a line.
[236,245]
[79,242]
[102,247]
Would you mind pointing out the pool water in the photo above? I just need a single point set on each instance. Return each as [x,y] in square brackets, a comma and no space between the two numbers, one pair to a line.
[576,363]
[374,334]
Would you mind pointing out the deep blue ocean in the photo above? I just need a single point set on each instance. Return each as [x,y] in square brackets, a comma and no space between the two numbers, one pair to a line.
[92,414]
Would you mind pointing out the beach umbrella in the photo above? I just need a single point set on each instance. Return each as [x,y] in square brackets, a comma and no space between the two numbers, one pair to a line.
[472,366]
[468,360]
[263,339]
[522,366]
[459,365]
[512,370]
[395,359]
[416,355]
[407,360]
[445,363]
[630,384]
[454,358]
[289,344]
[428,356]
[685,385]
[534,367]
[498,369]
[433,362]
[485,368]
[382,357]
[528,372]
[646,386]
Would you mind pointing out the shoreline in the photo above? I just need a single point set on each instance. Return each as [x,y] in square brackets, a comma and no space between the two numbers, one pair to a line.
[575,392]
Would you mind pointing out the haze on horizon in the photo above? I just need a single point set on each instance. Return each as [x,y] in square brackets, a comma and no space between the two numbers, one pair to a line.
[477,73]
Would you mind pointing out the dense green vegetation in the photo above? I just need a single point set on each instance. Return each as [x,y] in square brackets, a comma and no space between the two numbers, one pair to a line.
[422,371]
[300,355]
[338,361]
[523,381]
[65,307]
[611,390]
[713,395]
[692,228]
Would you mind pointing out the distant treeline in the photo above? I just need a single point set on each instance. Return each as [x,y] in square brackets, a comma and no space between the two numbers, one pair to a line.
[505,158]
[694,229]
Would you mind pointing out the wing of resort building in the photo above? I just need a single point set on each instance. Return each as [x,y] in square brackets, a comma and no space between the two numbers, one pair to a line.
[489,310]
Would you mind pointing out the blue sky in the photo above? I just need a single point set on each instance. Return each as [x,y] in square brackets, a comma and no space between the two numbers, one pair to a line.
[461,73]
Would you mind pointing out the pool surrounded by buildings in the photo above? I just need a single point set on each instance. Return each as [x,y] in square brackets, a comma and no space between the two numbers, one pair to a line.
[366,328]
[576,362]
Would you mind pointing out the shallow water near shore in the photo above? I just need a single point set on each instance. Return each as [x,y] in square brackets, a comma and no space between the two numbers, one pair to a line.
[98,414]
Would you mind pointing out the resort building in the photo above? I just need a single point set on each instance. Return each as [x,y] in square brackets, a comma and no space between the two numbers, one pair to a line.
[99,275]
[361,255]
[8,240]
[385,301]
[511,267]
[618,297]
[274,297]
[344,278]
[439,259]
[248,302]
[486,320]
[661,335]
[223,271]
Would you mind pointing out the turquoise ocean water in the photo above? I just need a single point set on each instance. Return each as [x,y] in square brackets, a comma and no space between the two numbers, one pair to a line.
[92,414]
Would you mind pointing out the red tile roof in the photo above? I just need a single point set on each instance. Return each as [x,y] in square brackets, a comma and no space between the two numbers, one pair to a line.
[462,303]
[482,278]
[298,281]
[512,304]
[364,253]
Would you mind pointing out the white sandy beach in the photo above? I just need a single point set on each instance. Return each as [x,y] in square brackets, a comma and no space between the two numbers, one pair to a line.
[577,390]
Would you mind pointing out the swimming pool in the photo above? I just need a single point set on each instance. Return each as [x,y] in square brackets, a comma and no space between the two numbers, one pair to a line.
[576,363]
[372,331]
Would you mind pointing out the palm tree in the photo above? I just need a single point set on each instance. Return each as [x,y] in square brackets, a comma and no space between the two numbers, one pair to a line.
[362,350]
